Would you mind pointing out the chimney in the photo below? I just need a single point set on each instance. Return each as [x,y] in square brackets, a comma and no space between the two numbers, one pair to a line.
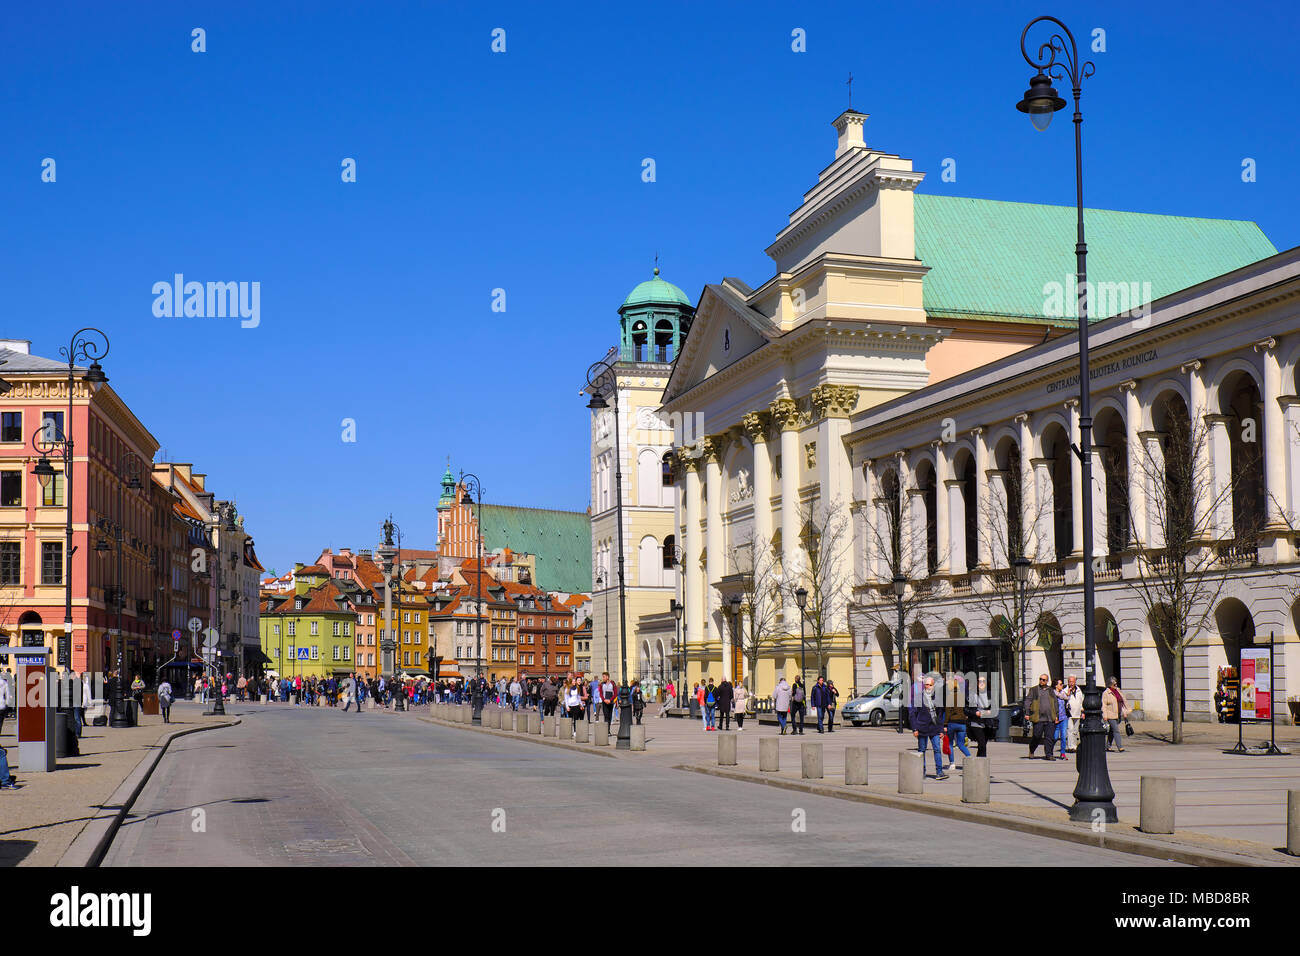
[24,346]
[848,125]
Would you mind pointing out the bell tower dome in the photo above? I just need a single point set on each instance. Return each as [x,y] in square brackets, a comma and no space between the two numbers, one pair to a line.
[654,320]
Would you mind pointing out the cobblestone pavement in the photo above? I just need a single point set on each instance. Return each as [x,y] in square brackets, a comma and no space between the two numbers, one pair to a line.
[39,822]
[320,787]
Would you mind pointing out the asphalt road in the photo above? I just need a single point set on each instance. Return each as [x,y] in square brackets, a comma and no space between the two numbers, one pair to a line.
[300,787]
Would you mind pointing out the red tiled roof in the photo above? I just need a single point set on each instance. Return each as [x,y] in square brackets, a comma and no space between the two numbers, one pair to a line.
[369,572]
[313,569]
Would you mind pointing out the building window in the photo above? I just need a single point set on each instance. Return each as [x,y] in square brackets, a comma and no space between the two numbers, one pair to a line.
[347,653]
[11,489]
[406,658]
[52,494]
[275,629]
[415,656]
[315,628]
[336,628]
[57,431]
[315,652]
[417,617]
[338,652]
[347,628]
[293,628]
[10,563]
[51,562]
[11,427]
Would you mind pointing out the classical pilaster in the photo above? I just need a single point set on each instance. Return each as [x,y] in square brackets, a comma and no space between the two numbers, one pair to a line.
[1045,526]
[1133,458]
[1028,498]
[941,514]
[1274,438]
[1198,408]
[1291,448]
[757,425]
[1076,482]
[998,530]
[693,546]
[1218,446]
[867,545]
[1153,479]
[956,514]
[786,416]
[983,556]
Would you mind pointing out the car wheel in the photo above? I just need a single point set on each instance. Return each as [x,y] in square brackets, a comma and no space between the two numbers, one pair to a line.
[877,718]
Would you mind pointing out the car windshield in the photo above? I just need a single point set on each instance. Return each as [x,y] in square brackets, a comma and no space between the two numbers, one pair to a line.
[881,689]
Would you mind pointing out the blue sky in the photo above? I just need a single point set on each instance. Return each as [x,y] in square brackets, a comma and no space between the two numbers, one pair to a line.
[522,171]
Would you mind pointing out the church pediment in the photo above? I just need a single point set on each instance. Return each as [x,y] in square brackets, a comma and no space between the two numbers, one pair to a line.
[725,330]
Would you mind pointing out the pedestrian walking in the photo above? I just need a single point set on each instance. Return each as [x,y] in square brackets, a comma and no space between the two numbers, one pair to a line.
[832,701]
[670,695]
[709,695]
[1114,709]
[781,702]
[739,705]
[1040,711]
[1062,721]
[4,703]
[957,725]
[608,696]
[726,695]
[638,701]
[165,701]
[981,718]
[927,725]
[1073,712]
[820,702]
[573,702]
[798,705]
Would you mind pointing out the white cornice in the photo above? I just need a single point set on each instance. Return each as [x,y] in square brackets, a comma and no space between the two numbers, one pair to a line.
[871,179]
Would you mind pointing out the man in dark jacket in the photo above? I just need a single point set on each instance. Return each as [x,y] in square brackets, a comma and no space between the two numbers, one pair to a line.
[550,694]
[725,696]
[927,719]
[1040,710]
[821,700]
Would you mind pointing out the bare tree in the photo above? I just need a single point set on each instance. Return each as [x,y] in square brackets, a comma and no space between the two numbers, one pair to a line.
[758,565]
[823,572]
[894,539]
[1180,571]
[1007,531]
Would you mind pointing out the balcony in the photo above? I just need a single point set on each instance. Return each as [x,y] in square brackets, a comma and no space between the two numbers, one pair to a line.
[1238,555]
[962,585]
[1052,575]
[1111,569]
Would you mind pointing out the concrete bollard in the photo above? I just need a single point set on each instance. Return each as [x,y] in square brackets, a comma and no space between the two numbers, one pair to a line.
[493,719]
[911,772]
[975,780]
[534,722]
[521,722]
[855,766]
[769,754]
[638,737]
[810,756]
[581,731]
[1158,796]
[1293,822]
[458,716]
[600,733]
[726,750]
[508,721]
[566,728]
[548,726]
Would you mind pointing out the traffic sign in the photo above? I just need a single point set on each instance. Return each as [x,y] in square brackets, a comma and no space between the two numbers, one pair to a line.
[195,625]
[177,635]
[302,654]
[210,637]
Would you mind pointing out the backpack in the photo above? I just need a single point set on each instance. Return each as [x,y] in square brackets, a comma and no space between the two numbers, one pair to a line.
[709,699]
[797,695]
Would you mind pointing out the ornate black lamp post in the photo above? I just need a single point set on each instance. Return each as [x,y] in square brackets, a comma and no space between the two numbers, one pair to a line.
[738,633]
[472,494]
[801,598]
[601,380]
[900,587]
[680,657]
[1058,58]
[50,439]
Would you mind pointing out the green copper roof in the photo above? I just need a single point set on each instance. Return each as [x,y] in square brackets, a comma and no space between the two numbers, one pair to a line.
[560,539]
[655,292]
[992,259]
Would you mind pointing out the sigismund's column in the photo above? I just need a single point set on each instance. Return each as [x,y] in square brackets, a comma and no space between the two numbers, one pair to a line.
[713,448]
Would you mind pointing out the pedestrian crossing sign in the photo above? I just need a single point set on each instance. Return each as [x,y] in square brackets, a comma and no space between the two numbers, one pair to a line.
[302,653]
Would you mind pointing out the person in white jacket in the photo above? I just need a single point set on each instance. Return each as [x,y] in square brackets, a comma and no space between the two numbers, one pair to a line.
[4,703]
[1073,697]
[782,702]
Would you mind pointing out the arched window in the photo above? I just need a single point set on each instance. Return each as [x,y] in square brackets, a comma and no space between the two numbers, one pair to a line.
[640,340]
[664,341]
[670,550]
[649,477]
[667,472]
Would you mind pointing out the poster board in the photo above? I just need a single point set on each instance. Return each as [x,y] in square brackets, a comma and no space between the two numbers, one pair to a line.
[1256,683]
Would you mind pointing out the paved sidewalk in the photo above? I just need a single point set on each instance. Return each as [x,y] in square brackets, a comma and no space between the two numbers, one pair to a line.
[40,821]
[1226,798]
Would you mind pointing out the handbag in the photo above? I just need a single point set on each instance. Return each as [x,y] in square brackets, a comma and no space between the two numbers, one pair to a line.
[1128,728]
[947,747]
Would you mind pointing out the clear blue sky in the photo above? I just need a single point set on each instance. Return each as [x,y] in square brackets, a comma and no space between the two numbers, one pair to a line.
[522,171]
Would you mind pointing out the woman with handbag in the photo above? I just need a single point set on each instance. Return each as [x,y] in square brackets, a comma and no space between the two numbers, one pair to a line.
[1113,709]
[739,702]
[981,717]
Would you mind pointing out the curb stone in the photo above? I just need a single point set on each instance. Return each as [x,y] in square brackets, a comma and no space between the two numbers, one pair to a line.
[530,738]
[88,849]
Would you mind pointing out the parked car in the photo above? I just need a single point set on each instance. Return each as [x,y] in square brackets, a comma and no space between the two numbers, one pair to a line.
[878,705]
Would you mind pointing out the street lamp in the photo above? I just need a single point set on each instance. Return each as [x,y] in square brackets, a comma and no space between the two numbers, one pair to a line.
[601,379]
[470,483]
[900,587]
[1021,565]
[677,611]
[1093,791]
[85,344]
[738,633]
[801,598]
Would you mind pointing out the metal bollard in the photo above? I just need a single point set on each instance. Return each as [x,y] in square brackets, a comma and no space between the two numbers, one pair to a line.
[911,772]
[769,754]
[810,756]
[975,780]
[726,750]
[638,737]
[1293,822]
[855,766]
[1158,796]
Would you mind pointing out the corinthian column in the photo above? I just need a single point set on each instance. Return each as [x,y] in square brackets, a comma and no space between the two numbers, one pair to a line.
[756,426]
[693,546]
[714,447]
[785,413]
